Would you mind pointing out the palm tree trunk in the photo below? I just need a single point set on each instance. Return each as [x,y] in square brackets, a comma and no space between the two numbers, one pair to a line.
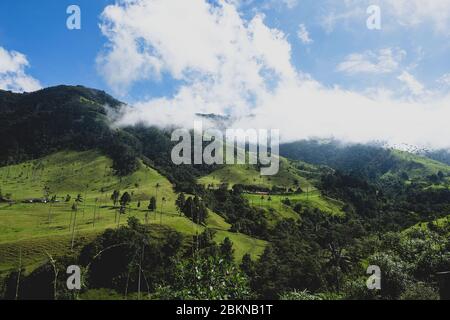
[93,221]
[73,228]
[49,214]
[18,275]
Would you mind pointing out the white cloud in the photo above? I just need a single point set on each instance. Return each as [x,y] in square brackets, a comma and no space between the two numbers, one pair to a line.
[223,61]
[417,12]
[384,61]
[228,65]
[303,34]
[12,72]
[332,18]
[307,109]
[290,3]
[444,80]
[406,13]
[412,84]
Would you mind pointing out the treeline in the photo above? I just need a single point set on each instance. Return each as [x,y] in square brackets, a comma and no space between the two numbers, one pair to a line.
[237,211]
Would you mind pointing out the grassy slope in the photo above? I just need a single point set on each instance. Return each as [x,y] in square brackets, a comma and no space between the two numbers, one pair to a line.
[288,173]
[419,167]
[311,200]
[439,223]
[249,175]
[26,227]
[243,243]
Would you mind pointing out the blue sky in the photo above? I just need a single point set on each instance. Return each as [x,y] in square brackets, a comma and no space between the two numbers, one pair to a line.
[58,55]
[156,56]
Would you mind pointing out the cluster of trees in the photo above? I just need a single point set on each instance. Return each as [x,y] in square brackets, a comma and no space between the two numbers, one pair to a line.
[193,208]
[320,257]
[124,200]
[390,205]
[237,211]
[260,189]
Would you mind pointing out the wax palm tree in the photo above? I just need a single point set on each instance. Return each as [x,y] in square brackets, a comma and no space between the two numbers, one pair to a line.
[78,200]
[163,200]
[157,186]
[115,197]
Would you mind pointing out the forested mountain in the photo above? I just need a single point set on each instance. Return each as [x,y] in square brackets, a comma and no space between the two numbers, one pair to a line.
[308,233]
[66,117]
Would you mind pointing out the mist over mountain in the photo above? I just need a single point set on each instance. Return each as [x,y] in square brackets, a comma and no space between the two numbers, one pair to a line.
[51,119]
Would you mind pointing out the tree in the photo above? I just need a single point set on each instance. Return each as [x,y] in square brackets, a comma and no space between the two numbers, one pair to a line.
[46,193]
[78,200]
[189,208]
[180,202]
[125,199]
[152,205]
[157,186]
[68,198]
[195,210]
[286,202]
[202,213]
[247,265]
[226,249]
[206,278]
[115,197]
[163,200]
[298,208]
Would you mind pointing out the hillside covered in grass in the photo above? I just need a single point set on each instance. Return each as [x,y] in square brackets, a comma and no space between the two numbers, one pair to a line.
[36,228]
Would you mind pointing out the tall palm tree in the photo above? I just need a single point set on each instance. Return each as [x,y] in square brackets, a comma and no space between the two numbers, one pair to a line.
[78,200]
[163,200]
[95,211]
[85,195]
[50,209]
[157,186]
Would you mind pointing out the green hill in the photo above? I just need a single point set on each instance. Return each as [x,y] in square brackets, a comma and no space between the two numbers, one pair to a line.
[311,200]
[417,166]
[289,176]
[292,174]
[37,228]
